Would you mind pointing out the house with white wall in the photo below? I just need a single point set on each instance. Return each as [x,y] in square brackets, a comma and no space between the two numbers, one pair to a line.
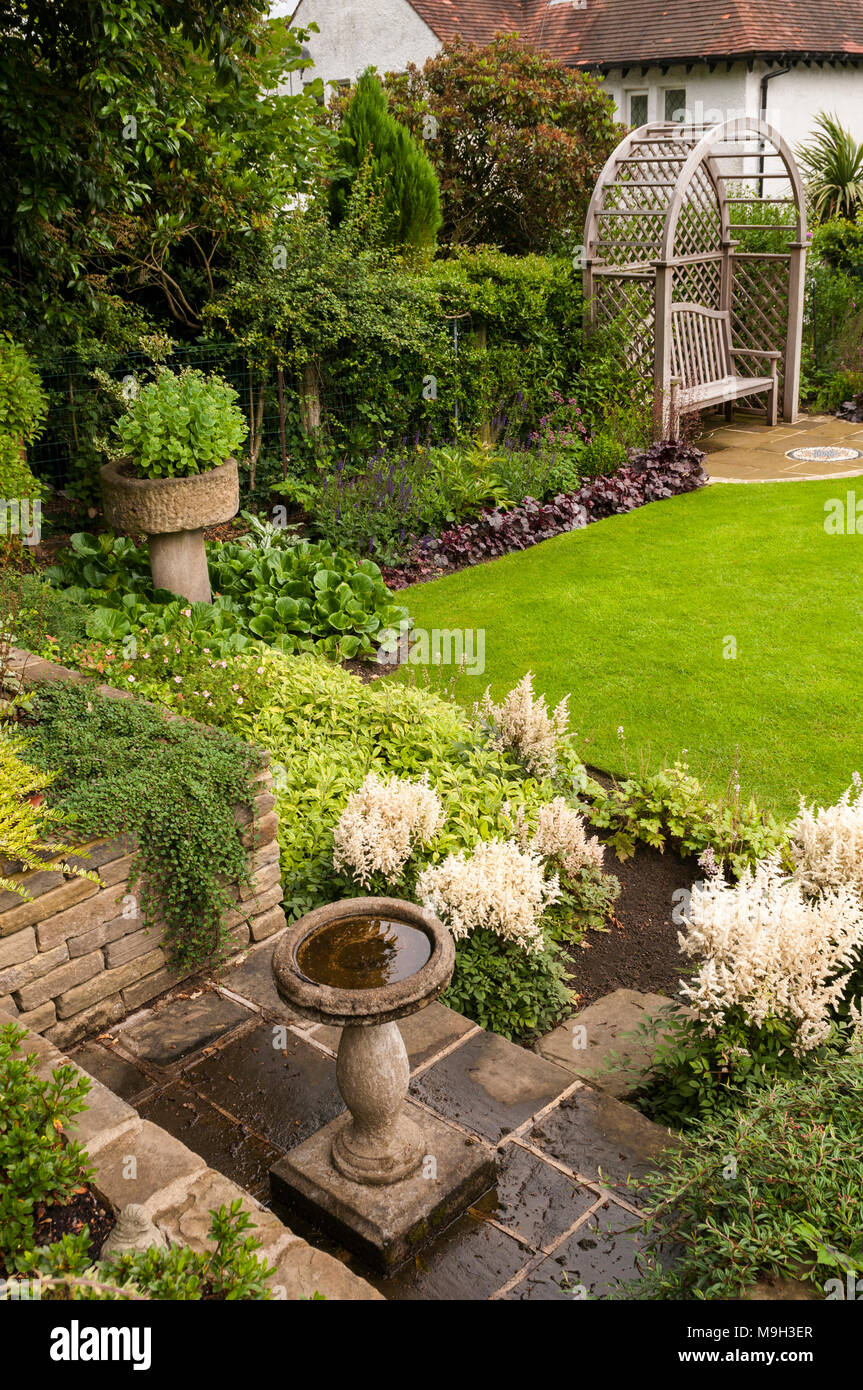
[698,60]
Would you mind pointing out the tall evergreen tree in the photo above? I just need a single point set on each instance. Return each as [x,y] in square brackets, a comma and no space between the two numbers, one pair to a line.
[398,169]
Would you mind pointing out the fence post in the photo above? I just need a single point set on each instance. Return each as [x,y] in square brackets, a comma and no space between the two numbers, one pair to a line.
[310,400]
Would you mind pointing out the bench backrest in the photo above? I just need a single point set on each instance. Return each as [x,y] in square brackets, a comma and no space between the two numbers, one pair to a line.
[700,344]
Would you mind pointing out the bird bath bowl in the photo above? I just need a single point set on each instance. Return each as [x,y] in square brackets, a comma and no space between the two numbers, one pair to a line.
[363,964]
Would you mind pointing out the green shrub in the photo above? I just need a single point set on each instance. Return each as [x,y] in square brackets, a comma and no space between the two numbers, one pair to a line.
[671,806]
[769,1188]
[229,1271]
[698,1071]
[400,172]
[37,1163]
[516,993]
[181,423]
[126,769]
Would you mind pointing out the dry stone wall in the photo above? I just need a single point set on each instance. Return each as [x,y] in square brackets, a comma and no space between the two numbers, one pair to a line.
[75,957]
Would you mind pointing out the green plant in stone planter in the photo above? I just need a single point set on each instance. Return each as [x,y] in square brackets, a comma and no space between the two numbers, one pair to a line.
[175,474]
[181,423]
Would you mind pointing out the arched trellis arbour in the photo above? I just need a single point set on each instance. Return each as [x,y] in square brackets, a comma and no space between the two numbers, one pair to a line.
[687,214]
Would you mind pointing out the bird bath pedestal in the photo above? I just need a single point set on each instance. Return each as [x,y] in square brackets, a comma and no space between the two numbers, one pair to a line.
[386,1176]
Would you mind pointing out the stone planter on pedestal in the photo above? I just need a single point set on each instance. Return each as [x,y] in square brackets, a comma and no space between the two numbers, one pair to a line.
[172,514]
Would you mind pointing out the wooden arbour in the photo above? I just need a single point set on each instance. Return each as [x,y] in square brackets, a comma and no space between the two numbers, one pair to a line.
[681,214]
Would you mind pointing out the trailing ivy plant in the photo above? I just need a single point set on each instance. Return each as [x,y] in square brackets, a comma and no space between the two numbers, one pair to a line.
[126,768]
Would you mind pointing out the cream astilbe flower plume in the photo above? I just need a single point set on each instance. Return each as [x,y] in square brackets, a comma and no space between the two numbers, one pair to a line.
[381,826]
[770,949]
[498,886]
[523,725]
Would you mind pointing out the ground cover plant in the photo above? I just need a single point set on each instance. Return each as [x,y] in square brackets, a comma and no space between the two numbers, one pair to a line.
[292,594]
[678,624]
[124,769]
[664,470]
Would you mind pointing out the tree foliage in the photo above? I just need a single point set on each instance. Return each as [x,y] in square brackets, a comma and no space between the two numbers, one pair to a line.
[517,140]
[141,139]
[397,166]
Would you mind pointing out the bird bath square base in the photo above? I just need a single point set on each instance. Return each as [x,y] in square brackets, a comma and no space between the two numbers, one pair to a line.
[386,1225]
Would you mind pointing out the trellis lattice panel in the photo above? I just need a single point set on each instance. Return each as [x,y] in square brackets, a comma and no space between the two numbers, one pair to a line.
[627,304]
[698,281]
[759,312]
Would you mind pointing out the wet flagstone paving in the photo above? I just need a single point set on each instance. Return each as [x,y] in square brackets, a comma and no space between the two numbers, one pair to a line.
[226,1068]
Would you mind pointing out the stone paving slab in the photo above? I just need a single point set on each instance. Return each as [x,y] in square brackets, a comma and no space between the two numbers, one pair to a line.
[470,1262]
[594,1044]
[490,1085]
[282,1095]
[226,1146]
[114,1071]
[179,1028]
[533,1199]
[747,451]
[600,1139]
[595,1261]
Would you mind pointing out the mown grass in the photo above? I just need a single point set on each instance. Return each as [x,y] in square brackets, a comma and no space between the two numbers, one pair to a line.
[633,616]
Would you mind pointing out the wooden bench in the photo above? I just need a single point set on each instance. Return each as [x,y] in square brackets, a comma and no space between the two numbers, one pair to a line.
[703,365]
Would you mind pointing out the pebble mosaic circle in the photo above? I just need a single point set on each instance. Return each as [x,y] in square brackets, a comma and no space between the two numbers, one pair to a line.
[825,453]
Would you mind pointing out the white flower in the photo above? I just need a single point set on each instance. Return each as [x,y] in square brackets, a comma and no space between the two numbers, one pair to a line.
[827,844]
[560,834]
[499,886]
[382,825]
[770,949]
[523,725]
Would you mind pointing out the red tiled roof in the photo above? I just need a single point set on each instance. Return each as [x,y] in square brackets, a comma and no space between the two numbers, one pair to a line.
[609,32]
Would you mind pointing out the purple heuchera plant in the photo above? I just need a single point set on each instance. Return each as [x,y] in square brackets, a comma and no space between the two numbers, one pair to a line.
[664,470]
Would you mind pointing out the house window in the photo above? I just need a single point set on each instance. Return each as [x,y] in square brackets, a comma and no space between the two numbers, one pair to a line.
[637,108]
[675,103]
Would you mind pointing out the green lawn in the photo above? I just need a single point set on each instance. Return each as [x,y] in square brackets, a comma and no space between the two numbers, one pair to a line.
[631,616]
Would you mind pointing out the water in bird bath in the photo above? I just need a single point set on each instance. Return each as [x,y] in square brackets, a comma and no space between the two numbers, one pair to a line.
[362,953]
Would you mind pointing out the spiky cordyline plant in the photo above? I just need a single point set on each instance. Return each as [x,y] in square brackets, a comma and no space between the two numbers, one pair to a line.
[832,167]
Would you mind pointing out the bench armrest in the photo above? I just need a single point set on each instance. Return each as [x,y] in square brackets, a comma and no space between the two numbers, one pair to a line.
[755,352]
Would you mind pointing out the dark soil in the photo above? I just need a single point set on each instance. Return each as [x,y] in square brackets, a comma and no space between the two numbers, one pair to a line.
[640,951]
[55,1220]
[85,1209]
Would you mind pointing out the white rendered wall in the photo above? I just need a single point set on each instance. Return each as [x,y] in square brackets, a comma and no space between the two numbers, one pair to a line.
[356,34]
[793,99]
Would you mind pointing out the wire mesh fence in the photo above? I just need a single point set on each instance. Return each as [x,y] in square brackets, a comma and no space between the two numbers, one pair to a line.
[292,418]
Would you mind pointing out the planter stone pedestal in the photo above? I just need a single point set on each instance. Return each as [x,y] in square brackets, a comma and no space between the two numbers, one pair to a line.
[172,513]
